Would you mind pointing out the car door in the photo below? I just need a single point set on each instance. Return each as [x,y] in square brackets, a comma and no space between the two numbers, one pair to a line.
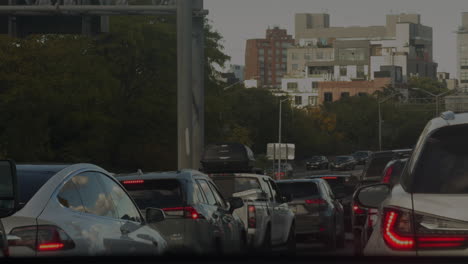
[337,206]
[137,237]
[213,214]
[280,215]
[230,227]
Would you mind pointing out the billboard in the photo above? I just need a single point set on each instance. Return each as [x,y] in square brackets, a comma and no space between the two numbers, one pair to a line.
[287,151]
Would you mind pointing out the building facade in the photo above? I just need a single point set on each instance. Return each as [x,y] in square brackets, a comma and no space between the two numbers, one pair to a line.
[462,52]
[238,71]
[333,91]
[265,59]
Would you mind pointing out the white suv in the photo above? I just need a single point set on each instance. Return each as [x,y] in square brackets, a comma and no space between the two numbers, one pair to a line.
[425,215]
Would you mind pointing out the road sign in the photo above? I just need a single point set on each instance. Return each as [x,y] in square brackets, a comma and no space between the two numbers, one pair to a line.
[287,151]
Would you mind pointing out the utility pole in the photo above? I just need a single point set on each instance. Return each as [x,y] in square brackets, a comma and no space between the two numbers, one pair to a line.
[184,84]
[198,88]
[279,136]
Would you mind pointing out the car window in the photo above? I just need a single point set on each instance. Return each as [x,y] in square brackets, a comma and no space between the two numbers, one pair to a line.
[160,193]
[230,185]
[443,165]
[198,194]
[275,191]
[95,199]
[207,191]
[298,189]
[218,196]
[126,209]
[70,197]
[266,188]
[376,166]
[30,181]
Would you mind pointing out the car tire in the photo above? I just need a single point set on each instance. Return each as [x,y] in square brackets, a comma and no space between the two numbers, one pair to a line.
[340,240]
[291,243]
[331,239]
[357,243]
[266,245]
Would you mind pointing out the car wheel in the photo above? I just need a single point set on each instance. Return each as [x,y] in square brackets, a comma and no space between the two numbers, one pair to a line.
[331,238]
[266,246]
[291,244]
[357,245]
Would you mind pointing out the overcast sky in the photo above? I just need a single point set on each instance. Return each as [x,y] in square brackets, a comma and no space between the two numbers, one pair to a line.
[239,20]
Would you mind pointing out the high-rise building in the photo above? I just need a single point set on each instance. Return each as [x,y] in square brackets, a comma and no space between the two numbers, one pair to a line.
[265,59]
[462,52]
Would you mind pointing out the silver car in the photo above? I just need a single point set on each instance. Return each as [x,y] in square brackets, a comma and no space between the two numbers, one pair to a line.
[77,210]
[199,220]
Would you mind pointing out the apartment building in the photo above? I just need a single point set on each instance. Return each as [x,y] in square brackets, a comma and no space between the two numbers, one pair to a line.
[265,59]
[462,52]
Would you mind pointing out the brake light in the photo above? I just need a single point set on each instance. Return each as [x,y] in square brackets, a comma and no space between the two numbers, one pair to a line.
[251,217]
[388,174]
[358,210]
[329,178]
[134,182]
[186,212]
[401,232]
[41,238]
[315,201]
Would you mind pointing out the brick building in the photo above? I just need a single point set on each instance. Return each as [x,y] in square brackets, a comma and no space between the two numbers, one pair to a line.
[334,91]
[266,59]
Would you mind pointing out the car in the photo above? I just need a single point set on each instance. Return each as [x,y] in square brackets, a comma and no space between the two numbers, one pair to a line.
[286,171]
[425,213]
[199,219]
[342,185]
[343,163]
[269,221]
[317,162]
[362,156]
[77,210]
[391,176]
[3,242]
[319,214]
[371,174]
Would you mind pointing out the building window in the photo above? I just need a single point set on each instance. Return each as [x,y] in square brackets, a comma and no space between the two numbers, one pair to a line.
[362,94]
[295,67]
[463,76]
[298,100]
[307,57]
[328,97]
[344,94]
[360,72]
[292,85]
[315,85]
[417,68]
[278,44]
[352,54]
[343,71]
[261,58]
[261,51]
[294,56]
[313,100]
[464,64]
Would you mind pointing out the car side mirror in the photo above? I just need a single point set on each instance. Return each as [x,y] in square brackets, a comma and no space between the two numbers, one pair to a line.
[154,215]
[8,188]
[235,203]
[371,196]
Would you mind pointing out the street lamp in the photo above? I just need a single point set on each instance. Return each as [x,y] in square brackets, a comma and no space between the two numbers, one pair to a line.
[279,136]
[437,96]
[380,116]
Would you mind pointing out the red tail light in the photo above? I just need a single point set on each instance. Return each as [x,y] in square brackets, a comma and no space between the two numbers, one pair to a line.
[388,174]
[186,212]
[133,182]
[329,178]
[358,210]
[41,238]
[315,201]
[404,231]
[251,217]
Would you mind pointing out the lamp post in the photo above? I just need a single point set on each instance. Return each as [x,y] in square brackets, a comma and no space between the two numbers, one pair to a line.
[437,96]
[380,117]
[279,135]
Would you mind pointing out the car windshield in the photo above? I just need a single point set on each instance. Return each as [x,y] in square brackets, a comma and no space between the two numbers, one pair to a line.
[315,159]
[298,189]
[343,159]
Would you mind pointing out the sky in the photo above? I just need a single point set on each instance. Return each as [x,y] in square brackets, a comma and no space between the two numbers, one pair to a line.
[239,20]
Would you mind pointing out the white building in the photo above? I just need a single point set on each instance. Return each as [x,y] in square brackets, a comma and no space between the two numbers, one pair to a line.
[462,52]
[238,71]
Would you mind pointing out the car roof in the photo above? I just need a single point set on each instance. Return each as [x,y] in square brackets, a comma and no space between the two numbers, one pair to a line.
[183,174]
[329,175]
[42,167]
[300,180]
